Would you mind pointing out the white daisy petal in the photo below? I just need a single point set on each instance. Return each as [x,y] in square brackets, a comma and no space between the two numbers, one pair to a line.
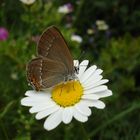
[94,77]
[96,89]
[46,112]
[53,120]
[30,93]
[97,72]
[82,67]
[67,115]
[101,82]
[28,101]
[76,63]
[42,106]
[83,109]
[36,99]
[90,96]
[99,104]
[33,93]
[78,116]
[87,73]
[95,103]
[87,102]
[104,94]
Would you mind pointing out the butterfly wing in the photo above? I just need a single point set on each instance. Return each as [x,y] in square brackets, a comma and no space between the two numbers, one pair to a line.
[43,73]
[52,45]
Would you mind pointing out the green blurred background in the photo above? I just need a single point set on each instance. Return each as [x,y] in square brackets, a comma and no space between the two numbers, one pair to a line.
[108,33]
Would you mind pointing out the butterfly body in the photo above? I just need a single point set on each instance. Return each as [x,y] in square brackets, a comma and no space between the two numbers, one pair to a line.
[54,63]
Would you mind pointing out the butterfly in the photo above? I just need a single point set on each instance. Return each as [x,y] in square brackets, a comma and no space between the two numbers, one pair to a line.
[53,64]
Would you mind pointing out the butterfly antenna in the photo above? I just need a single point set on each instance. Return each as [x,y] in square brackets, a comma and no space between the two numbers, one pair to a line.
[79,57]
[73,86]
[82,54]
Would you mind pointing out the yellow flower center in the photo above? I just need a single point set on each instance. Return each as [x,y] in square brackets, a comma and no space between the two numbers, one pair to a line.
[67,94]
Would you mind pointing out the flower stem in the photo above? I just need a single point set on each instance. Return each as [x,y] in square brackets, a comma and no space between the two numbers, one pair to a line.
[4,131]
[6,109]
[84,132]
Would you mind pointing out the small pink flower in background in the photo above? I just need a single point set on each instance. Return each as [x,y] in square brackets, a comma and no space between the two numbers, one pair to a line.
[69,6]
[3,33]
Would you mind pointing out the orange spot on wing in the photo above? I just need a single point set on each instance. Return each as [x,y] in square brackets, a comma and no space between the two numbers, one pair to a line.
[35,82]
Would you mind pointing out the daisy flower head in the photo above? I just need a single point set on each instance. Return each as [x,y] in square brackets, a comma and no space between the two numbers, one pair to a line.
[69,100]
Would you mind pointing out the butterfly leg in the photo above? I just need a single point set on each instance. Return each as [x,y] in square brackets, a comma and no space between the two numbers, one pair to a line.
[61,89]
[73,86]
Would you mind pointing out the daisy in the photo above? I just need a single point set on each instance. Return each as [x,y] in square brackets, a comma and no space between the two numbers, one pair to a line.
[71,100]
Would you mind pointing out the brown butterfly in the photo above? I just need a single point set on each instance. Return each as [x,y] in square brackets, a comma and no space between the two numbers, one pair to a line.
[54,63]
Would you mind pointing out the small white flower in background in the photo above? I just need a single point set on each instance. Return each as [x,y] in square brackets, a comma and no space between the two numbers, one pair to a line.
[28,2]
[101,25]
[68,25]
[14,76]
[65,9]
[76,38]
[71,100]
[90,31]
